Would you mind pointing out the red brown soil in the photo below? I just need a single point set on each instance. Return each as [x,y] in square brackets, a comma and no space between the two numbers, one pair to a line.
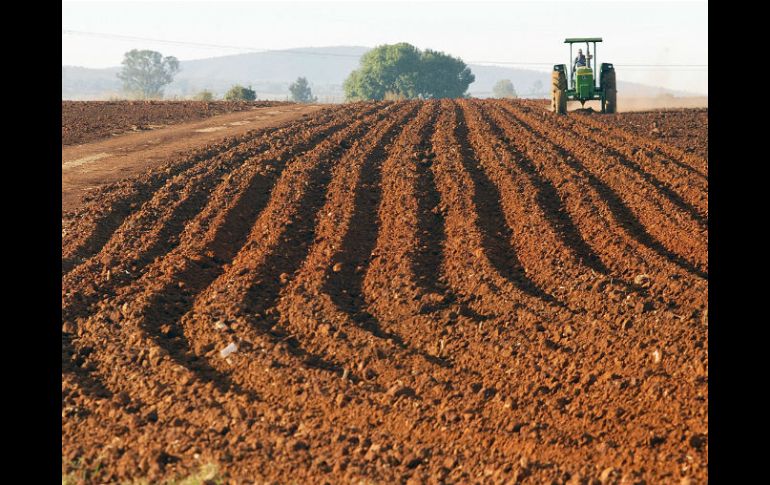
[89,166]
[419,292]
[87,121]
[686,129]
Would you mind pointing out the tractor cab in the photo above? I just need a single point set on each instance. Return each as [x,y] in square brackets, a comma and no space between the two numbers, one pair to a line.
[586,70]
[583,84]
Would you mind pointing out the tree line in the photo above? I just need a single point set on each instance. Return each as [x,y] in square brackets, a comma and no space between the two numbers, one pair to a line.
[387,72]
[145,73]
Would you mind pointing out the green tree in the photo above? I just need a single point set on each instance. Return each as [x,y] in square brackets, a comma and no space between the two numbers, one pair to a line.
[145,72]
[387,68]
[403,71]
[240,93]
[300,91]
[504,89]
[443,76]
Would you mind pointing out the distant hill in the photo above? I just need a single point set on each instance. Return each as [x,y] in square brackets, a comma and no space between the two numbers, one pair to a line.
[270,73]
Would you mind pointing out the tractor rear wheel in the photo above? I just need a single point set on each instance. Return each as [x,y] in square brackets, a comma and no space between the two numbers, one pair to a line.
[559,102]
[559,92]
[610,100]
[610,91]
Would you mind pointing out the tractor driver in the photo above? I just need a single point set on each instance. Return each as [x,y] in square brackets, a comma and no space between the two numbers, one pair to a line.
[580,61]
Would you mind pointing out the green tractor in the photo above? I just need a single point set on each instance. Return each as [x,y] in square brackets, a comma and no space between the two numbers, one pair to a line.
[582,81]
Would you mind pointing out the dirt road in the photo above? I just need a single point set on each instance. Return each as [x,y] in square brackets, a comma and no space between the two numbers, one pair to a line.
[88,166]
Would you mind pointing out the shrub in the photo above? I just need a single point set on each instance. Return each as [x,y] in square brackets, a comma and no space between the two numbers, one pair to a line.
[240,93]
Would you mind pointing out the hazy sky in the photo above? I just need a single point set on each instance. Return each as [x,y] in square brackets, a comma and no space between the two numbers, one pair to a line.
[495,32]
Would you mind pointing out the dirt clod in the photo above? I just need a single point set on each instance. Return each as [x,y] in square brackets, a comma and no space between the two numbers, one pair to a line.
[606,475]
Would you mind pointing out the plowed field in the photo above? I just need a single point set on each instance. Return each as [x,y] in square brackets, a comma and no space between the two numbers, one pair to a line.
[684,128]
[86,121]
[414,292]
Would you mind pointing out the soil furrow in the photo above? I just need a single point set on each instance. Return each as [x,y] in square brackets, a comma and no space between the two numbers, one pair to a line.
[688,193]
[467,264]
[668,219]
[551,248]
[623,255]
[399,292]
[276,246]
[496,235]
[73,360]
[248,187]
[345,282]
[684,159]
[646,220]
[88,229]
[354,177]
[685,129]
[378,362]
[584,294]
[154,229]
[172,286]
[547,199]
[85,231]
[147,320]
[401,281]
[336,264]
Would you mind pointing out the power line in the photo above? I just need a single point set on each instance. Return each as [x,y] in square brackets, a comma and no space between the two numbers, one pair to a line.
[680,67]
[162,41]
[204,45]
[663,65]
[614,63]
